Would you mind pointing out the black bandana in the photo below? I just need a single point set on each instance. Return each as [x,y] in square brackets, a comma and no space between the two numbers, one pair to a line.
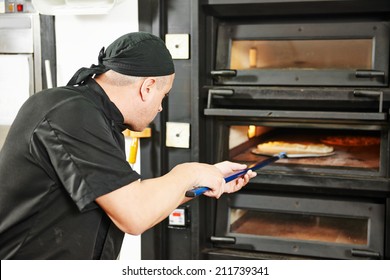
[136,54]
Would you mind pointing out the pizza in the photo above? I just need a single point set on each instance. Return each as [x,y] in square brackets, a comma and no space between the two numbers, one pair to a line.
[275,147]
[351,140]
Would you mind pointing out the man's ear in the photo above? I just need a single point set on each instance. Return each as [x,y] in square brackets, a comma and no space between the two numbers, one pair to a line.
[147,87]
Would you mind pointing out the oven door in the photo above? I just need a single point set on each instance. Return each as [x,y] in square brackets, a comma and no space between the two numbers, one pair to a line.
[306,226]
[359,151]
[333,53]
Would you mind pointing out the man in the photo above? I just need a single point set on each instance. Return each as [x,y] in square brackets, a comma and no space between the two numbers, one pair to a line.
[66,189]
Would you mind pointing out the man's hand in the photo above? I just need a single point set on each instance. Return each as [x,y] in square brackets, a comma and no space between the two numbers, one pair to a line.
[228,168]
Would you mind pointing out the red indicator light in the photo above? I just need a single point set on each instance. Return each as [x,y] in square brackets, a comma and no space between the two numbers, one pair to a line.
[176,214]
[19,7]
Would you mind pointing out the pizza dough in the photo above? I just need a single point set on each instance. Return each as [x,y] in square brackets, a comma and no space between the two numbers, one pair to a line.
[275,147]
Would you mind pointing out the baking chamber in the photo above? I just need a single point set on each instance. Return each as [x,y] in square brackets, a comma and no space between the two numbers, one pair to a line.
[355,149]
[321,53]
[296,225]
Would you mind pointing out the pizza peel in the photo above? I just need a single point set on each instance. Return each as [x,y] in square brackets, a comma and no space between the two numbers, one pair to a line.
[289,155]
[200,190]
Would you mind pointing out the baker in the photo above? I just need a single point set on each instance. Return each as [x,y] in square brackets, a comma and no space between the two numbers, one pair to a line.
[66,189]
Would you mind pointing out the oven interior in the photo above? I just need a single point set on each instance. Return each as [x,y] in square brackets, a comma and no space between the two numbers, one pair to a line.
[360,150]
[304,53]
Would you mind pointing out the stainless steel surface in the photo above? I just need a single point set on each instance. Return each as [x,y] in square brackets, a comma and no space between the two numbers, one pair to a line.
[20,34]
[20,37]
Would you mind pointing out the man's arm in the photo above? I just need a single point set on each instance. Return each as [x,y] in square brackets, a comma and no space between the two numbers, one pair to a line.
[142,204]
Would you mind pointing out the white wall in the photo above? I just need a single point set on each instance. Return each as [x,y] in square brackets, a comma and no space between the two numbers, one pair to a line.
[79,40]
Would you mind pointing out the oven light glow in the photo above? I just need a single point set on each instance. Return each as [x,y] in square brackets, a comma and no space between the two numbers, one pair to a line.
[252,57]
[251,131]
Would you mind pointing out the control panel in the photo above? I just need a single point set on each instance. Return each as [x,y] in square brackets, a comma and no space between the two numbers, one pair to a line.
[179,218]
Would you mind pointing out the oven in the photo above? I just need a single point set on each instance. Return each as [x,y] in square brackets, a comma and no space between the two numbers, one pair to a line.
[312,80]
[329,206]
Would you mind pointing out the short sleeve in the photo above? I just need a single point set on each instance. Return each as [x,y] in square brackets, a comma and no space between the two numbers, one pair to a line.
[75,143]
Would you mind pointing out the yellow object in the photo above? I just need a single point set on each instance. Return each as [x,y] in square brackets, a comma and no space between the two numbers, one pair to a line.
[147,132]
[251,131]
[135,135]
[252,58]
[133,150]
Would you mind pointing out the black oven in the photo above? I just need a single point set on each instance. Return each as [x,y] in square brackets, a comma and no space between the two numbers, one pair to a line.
[302,81]
[316,65]
[294,71]
[331,206]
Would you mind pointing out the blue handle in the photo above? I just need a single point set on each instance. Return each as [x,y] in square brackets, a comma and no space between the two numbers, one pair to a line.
[196,192]
[200,190]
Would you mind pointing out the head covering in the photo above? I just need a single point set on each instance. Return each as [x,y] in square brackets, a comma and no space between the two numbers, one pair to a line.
[138,54]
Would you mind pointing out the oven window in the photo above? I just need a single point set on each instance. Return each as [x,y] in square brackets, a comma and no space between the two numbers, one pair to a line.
[321,54]
[330,148]
[299,226]
[302,53]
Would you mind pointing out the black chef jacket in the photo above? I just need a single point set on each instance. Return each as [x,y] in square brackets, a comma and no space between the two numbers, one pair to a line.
[64,149]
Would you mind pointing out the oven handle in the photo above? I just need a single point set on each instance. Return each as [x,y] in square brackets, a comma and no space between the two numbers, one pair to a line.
[370,93]
[212,92]
[223,239]
[223,73]
[365,254]
[362,73]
